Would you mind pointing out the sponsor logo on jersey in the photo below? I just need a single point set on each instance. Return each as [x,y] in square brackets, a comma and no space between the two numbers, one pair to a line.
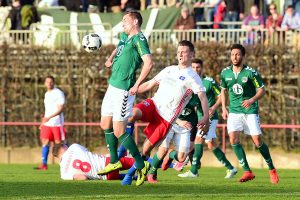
[244,79]
[237,88]
[182,78]
[119,50]
[186,111]
[146,103]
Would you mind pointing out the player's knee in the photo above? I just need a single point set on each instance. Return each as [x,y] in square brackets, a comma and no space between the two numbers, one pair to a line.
[44,141]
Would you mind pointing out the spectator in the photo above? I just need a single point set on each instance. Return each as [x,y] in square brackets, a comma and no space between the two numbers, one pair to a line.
[94,6]
[73,5]
[114,6]
[85,5]
[15,15]
[186,20]
[220,11]
[274,21]
[253,23]
[291,19]
[209,10]
[234,11]
[3,3]
[48,3]
[127,5]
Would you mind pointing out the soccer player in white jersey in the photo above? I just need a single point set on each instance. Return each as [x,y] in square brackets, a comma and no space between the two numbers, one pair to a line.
[52,127]
[175,87]
[77,163]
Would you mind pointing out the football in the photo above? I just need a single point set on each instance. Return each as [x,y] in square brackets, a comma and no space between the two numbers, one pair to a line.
[91,42]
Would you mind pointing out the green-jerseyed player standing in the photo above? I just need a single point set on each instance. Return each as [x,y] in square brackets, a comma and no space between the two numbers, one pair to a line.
[213,93]
[132,51]
[245,87]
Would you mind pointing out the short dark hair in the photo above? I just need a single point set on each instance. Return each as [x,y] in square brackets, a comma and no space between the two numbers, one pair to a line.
[135,15]
[290,6]
[187,43]
[198,61]
[51,77]
[240,47]
[56,148]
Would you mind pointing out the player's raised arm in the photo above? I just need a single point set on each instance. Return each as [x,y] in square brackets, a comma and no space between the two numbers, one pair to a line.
[148,63]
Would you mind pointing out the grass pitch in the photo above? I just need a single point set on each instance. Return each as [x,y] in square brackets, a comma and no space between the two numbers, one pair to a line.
[22,182]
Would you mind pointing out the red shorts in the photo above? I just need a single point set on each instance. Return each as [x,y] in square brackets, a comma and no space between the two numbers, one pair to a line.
[53,133]
[157,128]
[127,162]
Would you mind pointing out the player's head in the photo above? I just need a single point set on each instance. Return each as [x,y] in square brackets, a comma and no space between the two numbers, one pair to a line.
[59,149]
[237,54]
[49,82]
[289,11]
[185,53]
[197,65]
[254,10]
[132,20]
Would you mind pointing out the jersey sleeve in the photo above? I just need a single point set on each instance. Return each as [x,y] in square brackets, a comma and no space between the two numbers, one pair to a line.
[161,75]
[215,87]
[256,79]
[223,82]
[197,85]
[142,45]
[60,98]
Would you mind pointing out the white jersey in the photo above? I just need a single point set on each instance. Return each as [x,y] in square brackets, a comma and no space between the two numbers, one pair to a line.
[174,92]
[78,160]
[52,99]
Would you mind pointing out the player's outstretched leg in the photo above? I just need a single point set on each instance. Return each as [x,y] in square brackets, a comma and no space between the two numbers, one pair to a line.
[264,150]
[129,129]
[240,153]
[112,142]
[193,172]
[231,171]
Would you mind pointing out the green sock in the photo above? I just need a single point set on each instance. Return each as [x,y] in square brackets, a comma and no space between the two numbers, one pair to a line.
[156,162]
[173,155]
[264,151]
[127,141]
[112,142]
[222,158]
[196,158]
[240,154]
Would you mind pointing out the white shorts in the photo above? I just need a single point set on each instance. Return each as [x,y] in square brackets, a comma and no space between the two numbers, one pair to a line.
[180,137]
[249,123]
[117,103]
[212,131]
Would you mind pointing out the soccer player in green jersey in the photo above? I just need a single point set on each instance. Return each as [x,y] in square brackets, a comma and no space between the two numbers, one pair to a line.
[245,87]
[131,52]
[213,93]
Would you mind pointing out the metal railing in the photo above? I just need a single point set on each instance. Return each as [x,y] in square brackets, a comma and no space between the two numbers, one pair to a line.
[53,37]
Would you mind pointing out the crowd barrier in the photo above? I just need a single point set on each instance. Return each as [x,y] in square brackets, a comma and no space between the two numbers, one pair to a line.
[53,37]
[137,125]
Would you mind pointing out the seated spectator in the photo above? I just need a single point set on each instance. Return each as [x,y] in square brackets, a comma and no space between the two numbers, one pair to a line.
[274,21]
[291,19]
[48,3]
[186,20]
[254,21]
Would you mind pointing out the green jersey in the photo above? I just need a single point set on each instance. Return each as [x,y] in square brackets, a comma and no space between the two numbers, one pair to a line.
[212,92]
[127,60]
[189,113]
[241,86]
